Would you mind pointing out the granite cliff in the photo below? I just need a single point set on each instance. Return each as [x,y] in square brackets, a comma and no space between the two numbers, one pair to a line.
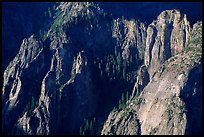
[68,79]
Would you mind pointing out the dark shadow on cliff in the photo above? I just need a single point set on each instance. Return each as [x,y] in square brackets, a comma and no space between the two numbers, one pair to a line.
[192,96]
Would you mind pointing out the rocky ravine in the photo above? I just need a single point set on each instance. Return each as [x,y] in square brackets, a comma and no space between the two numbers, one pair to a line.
[54,82]
[171,103]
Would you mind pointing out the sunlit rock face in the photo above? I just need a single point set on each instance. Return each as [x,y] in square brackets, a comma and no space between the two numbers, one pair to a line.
[166,37]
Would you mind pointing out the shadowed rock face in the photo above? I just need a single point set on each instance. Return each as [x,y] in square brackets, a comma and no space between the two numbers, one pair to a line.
[59,75]
[166,106]
[51,86]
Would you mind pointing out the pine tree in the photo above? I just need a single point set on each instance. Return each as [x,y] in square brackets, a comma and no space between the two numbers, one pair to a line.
[136,57]
[127,96]
[118,58]
[119,104]
[94,120]
[101,74]
[107,68]
[36,103]
[115,50]
[119,61]
[113,69]
[81,131]
[91,127]
[49,12]
[124,76]
[123,18]
[86,126]
[130,59]
[123,100]
[118,69]
[99,65]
